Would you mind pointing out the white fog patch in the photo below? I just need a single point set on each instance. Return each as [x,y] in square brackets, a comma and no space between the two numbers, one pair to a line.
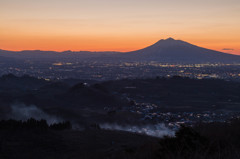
[23,112]
[158,130]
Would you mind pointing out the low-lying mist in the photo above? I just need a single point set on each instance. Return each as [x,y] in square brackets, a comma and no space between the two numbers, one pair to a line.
[23,112]
[158,130]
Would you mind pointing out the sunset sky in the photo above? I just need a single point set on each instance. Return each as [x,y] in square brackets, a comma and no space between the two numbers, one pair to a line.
[118,25]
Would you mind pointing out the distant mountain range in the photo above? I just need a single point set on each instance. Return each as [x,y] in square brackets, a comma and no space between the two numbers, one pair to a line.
[165,50]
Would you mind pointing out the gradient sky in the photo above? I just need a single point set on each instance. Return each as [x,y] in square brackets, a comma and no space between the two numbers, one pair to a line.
[118,25]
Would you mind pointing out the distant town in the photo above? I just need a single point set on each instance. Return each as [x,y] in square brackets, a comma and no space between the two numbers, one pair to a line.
[100,71]
[152,113]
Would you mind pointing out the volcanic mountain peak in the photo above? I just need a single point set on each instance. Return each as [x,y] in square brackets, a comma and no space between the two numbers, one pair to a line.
[171,50]
[164,45]
[170,42]
[168,39]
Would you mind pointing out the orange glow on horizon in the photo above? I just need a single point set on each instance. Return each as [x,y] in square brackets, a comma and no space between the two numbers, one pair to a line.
[113,25]
[119,45]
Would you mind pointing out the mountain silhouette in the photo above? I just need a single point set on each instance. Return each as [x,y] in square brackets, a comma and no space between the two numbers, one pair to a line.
[165,50]
[171,50]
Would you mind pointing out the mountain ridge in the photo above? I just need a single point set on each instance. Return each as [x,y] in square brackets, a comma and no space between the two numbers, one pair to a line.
[171,50]
[165,50]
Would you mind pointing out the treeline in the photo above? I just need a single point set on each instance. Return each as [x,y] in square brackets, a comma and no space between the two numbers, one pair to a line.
[205,140]
[33,124]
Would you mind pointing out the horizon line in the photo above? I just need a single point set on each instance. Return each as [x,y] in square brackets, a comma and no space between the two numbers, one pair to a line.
[95,51]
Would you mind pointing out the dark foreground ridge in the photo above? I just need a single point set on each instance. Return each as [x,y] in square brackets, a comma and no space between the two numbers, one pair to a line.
[212,141]
[103,115]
